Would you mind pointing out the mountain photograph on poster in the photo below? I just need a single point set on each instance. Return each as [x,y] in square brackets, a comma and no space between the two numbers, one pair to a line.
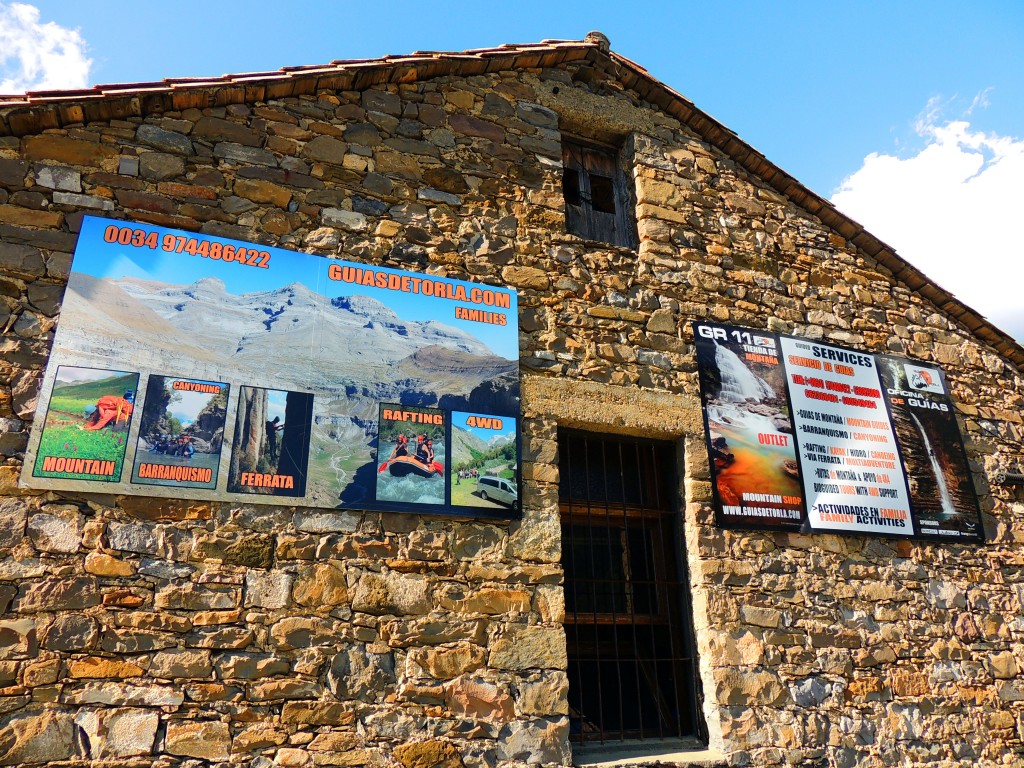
[483,447]
[351,346]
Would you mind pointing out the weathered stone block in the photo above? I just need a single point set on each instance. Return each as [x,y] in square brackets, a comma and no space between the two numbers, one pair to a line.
[164,140]
[119,732]
[468,125]
[100,564]
[62,149]
[159,166]
[27,217]
[302,632]
[206,740]
[350,220]
[429,754]
[267,589]
[535,742]
[192,597]
[529,647]
[325,149]
[59,533]
[124,694]
[72,632]
[250,666]
[321,585]
[37,737]
[58,595]
[215,129]
[100,667]
[239,153]
[180,663]
[58,177]
[446,663]
[391,593]
[17,639]
[323,521]
[357,674]
[263,192]
[317,713]
[479,700]
[546,697]
[13,516]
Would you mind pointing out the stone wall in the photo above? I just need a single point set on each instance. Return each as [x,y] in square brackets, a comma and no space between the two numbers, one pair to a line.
[139,631]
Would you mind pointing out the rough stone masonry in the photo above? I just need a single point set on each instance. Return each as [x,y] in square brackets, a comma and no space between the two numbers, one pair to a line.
[145,632]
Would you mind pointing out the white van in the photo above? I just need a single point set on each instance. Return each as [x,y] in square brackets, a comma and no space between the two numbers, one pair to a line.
[498,489]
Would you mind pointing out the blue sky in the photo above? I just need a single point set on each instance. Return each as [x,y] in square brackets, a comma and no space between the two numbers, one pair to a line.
[849,97]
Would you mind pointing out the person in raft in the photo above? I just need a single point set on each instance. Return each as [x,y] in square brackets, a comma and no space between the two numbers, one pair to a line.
[111,408]
[401,448]
[421,450]
[429,453]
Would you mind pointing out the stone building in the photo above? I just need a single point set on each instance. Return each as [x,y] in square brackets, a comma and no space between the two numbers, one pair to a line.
[140,631]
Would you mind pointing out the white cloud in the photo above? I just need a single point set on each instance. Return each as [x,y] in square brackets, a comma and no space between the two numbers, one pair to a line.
[951,210]
[36,56]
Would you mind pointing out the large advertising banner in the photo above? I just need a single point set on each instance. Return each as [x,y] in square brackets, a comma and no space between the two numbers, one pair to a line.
[195,366]
[851,472]
[867,443]
[754,471]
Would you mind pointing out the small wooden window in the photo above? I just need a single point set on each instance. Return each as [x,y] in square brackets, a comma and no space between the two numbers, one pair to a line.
[598,204]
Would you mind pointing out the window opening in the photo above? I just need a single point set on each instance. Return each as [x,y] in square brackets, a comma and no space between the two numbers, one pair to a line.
[632,669]
[598,203]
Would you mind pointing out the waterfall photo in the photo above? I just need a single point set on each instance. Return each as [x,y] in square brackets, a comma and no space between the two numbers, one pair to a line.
[750,433]
[938,473]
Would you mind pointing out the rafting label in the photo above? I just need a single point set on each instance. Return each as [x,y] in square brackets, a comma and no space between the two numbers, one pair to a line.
[809,436]
[224,370]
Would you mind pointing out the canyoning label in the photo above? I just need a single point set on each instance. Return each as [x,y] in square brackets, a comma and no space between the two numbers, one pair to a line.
[264,373]
[863,443]
[755,474]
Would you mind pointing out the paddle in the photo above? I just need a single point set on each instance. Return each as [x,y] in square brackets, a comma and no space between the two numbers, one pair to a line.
[384,466]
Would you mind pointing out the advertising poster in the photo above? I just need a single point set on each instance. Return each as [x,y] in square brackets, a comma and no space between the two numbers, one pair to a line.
[485,462]
[853,480]
[270,449]
[410,445]
[941,491]
[869,443]
[322,345]
[85,429]
[181,433]
[754,471]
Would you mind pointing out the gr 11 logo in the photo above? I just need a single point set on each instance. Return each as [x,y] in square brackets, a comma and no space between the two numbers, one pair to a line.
[707,332]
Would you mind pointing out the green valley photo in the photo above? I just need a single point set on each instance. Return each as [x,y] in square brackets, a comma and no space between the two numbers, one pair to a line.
[87,420]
